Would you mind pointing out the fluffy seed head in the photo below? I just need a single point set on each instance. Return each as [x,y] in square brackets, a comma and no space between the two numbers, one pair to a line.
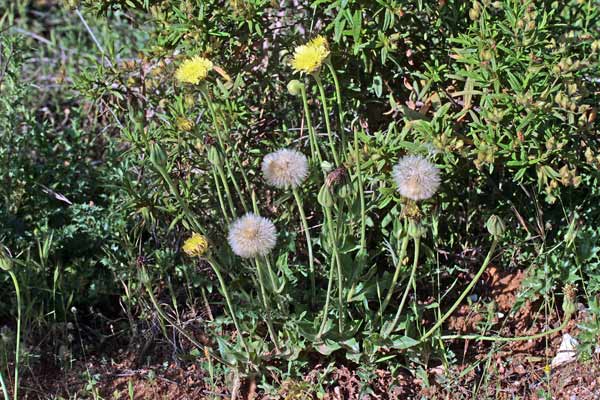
[285,168]
[308,58]
[194,70]
[416,177]
[196,245]
[252,236]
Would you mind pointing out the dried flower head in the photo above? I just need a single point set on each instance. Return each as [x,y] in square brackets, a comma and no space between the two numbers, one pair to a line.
[252,236]
[416,177]
[336,177]
[196,245]
[309,57]
[285,168]
[194,70]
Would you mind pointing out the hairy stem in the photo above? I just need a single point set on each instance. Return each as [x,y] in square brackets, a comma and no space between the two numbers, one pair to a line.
[464,293]
[314,144]
[338,263]
[182,331]
[327,297]
[338,96]
[327,122]
[220,197]
[539,335]
[266,305]
[216,268]
[392,287]
[409,285]
[311,262]
[219,133]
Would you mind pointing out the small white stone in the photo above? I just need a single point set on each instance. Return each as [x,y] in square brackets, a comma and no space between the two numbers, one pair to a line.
[566,352]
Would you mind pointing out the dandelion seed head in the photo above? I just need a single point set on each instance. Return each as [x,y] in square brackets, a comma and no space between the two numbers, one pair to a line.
[285,168]
[194,70]
[252,236]
[309,57]
[196,245]
[416,177]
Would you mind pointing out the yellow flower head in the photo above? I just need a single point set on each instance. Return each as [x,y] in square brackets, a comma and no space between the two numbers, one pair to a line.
[194,70]
[309,57]
[196,245]
[184,124]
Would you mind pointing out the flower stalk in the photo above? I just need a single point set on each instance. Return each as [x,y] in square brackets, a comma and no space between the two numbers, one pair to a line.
[338,96]
[217,270]
[311,262]
[326,117]
[314,143]
[409,285]
[465,292]
[392,287]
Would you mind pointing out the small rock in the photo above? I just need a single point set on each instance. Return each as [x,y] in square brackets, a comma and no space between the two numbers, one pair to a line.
[566,352]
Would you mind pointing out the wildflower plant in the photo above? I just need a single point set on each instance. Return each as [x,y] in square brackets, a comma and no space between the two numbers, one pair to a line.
[194,70]
[308,58]
[365,165]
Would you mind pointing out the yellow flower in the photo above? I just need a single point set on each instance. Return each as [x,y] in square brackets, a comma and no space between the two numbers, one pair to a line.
[309,57]
[196,245]
[184,124]
[194,70]
[547,369]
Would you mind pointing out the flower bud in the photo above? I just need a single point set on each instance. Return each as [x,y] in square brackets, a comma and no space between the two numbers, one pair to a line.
[474,13]
[157,155]
[6,262]
[214,156]
[415,229]
[495,226]
[325,198]
[569,296]
[295,87]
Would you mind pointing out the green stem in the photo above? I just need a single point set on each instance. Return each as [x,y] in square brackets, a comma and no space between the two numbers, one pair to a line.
[363,218]
[392,287]
[164,316]
[338,96]
[220,197]
[409,284]
[539,335]
[338,262]
[326,116]
[314,143]
[4,389]
[18,344]
[188,213]
[219,134]
[266,305]
[308,243]
[327,297]
[227,192]
[464,293]
[216,269]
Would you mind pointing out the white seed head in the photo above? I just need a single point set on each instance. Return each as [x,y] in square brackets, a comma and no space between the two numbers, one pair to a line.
[416,177]
[285,168]
[252,236]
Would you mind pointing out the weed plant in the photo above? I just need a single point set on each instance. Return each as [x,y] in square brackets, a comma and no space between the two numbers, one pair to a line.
[325,174]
